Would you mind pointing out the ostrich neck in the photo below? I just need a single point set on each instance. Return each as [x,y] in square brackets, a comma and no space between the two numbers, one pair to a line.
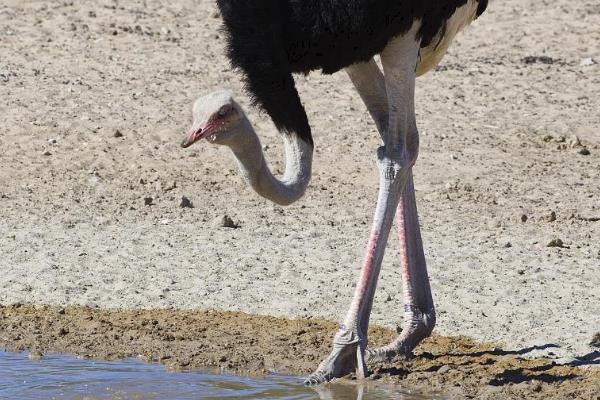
[254,168]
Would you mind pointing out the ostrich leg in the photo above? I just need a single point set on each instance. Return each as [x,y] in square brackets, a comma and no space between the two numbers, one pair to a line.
[419,314]
[370,85]
[395,160]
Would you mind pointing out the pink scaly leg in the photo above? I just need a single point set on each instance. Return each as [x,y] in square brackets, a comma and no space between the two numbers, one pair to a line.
[419,313]
[349,344]
[395,160]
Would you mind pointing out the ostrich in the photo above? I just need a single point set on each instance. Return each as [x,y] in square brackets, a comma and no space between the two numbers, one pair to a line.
[268,41]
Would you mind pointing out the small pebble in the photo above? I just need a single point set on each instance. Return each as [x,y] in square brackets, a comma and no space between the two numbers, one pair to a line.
[444,369]
[224,221]
[508,245]
[148,201]
[117,133]
[46,153]
[548,138]
[171,186]
[574,141]
[584,152]
[586,62]
[556,243]
[524,218]
[551,217]
[186,203]
[595,340]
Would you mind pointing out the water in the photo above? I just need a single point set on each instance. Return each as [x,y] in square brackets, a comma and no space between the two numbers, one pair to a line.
[58,376]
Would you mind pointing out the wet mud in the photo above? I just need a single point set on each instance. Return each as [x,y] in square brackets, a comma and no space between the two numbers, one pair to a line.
[249,344]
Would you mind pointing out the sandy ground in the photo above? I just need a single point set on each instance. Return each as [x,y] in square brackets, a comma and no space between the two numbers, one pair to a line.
[95,97]
[246,344]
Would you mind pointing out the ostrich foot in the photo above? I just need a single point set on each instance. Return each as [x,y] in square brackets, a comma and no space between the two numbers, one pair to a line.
[418,326]
[348,354]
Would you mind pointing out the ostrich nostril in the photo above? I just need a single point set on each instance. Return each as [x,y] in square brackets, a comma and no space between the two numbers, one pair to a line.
[192,136]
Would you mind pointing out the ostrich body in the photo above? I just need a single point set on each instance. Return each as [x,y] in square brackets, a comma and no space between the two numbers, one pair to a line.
[268,40]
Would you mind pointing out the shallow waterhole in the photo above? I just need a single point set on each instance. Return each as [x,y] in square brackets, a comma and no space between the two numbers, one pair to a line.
[59,376]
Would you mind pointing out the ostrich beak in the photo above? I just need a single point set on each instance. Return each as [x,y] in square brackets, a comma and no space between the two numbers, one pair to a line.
[194,134]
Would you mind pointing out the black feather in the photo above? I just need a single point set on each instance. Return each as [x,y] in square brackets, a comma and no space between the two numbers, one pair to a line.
[268,40]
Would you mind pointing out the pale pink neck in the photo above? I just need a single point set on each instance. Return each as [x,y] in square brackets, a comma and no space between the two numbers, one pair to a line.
[254,169]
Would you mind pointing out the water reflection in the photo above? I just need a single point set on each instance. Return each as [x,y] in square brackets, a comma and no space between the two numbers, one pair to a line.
[64,377]
[350,391]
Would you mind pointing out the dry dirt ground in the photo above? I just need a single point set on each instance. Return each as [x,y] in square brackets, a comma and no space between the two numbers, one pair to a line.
[95,97]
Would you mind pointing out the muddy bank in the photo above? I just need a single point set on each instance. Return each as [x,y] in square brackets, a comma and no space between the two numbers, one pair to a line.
[253,344]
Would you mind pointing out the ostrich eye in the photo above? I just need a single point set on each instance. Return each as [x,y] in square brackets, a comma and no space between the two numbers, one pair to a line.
[224,111]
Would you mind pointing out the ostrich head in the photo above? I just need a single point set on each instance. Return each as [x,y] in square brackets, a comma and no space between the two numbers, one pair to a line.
[220,120]
[217,118]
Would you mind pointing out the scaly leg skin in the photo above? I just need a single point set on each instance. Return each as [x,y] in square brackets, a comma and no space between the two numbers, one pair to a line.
[369,82]
[395,160]
[419,313]
[350,342]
